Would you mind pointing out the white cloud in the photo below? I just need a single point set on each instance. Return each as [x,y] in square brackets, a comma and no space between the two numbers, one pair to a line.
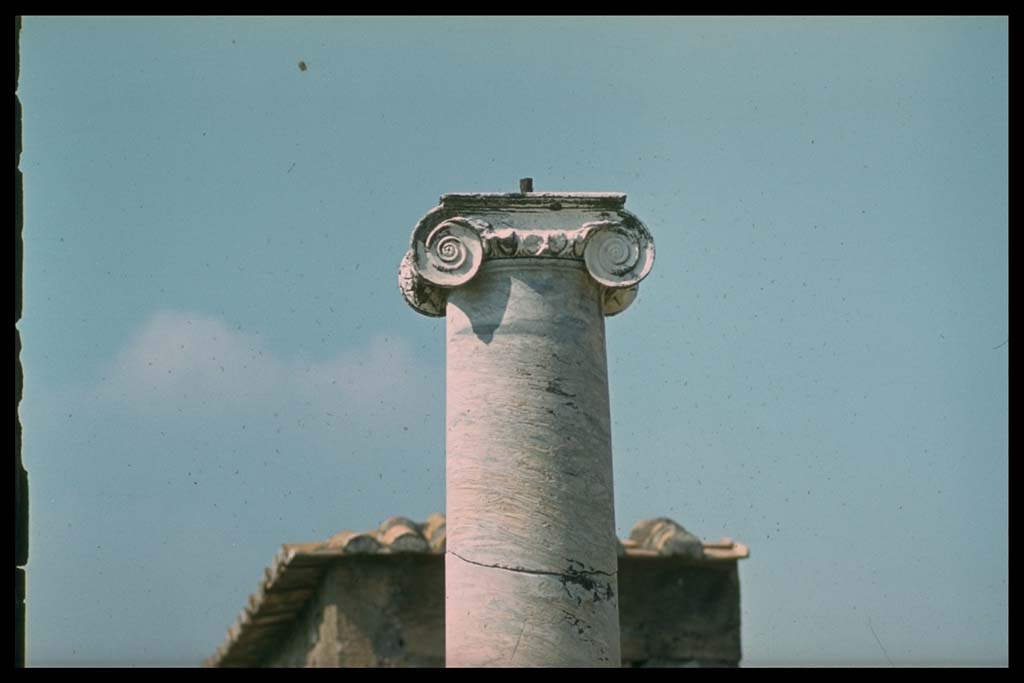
[179,356]
[185,362]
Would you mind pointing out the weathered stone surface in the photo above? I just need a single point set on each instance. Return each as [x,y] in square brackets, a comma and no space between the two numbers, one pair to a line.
[531,528]
[296,575]
[388,611]
[353,542]
[435,530]
[677,610]
[371,611]
[665,537]
[403,535]
[525,281]
[453,240]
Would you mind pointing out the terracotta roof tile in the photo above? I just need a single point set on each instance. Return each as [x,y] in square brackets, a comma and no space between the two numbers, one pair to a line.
[664,537]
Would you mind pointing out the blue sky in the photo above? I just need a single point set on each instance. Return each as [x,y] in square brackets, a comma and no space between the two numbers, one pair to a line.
[218,359]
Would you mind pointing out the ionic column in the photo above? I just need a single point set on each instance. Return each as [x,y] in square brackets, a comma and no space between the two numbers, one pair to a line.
[524,281]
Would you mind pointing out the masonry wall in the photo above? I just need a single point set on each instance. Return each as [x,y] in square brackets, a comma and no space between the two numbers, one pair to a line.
[371,611]
[675,611]
[388,611]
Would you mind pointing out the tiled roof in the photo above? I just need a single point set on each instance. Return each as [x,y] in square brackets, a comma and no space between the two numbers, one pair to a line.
[662,537]
[296,571]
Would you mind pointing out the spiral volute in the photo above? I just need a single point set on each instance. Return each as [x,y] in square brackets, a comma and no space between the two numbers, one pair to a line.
[451,254]
[616,256]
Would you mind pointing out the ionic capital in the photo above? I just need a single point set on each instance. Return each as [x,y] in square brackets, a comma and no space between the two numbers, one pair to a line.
[454,239]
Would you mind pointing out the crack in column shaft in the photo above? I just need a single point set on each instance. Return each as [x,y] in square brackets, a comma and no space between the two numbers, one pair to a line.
[522,570]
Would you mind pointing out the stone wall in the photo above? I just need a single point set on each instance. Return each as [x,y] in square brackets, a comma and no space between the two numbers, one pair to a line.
[675,611]
[388,611]
[371,611]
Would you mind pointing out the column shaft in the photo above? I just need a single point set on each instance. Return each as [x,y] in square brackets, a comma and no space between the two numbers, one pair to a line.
[531,563]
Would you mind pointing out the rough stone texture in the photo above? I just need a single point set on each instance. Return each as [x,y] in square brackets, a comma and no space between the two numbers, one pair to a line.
[355,600]
[675,609]
[454,239]
[665,537]
[669,663]
[386,611]
[531,530]
[295,577]
[374,611]
[525,280]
